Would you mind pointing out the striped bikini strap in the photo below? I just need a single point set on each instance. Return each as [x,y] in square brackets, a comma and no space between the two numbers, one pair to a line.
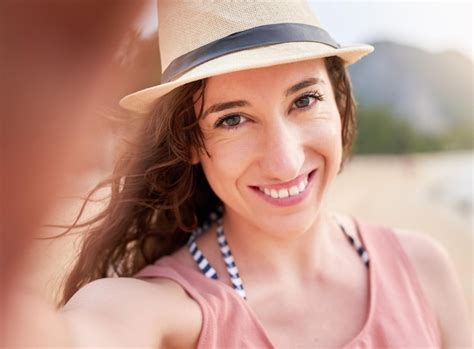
[361,251]
[229,261]
[201,261]
[232,269]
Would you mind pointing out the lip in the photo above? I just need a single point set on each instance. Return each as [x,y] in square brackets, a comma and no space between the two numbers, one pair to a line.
[290,200]
[288,184]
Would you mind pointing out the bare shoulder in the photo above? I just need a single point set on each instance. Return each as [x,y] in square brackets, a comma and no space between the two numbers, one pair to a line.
[128,311]
[426,254]
[440,283]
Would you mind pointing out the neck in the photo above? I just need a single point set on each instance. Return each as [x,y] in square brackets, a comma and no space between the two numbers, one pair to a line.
[305,253]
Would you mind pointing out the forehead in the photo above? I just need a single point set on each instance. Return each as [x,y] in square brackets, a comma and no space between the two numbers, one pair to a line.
[276,78]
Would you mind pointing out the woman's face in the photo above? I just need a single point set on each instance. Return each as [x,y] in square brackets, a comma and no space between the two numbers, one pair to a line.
[273,136]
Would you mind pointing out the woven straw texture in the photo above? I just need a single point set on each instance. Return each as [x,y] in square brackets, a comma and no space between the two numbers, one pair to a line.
[201,22]
[185,25]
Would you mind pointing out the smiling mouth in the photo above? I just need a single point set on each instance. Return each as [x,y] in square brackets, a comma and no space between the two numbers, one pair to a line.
[294,189]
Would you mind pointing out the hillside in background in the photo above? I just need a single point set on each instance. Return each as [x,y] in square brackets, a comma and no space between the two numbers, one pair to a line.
[413,100]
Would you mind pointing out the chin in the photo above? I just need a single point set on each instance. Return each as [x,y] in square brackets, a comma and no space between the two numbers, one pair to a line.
[289,226]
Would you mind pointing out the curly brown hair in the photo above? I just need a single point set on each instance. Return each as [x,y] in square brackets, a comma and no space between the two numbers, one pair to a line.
[157,194]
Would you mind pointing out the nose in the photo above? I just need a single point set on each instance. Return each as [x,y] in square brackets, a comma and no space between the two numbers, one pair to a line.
[282,155]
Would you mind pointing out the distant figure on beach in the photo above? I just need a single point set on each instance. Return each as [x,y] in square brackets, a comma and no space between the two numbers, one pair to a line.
[217,225]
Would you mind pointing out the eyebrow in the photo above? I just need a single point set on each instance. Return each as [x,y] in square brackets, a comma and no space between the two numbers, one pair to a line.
[223,106]
[303,84]
[241,103]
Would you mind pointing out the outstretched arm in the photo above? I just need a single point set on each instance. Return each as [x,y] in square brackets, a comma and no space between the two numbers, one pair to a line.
[55,59]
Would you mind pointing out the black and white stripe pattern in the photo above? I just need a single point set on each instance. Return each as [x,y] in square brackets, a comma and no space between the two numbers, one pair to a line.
[229,261]
[196,253]
[202,262]
[361,251]
[232,269]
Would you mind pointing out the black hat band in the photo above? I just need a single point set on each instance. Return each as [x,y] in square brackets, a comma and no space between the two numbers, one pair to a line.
[264,35]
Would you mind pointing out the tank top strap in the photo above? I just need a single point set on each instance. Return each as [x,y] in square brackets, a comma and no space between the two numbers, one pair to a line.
[401,311]
[167,267]
[227,322]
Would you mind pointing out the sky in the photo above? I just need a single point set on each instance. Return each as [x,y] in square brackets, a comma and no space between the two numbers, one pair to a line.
[434,26]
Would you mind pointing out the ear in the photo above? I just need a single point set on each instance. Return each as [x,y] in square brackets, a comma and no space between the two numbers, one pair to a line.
[195,159]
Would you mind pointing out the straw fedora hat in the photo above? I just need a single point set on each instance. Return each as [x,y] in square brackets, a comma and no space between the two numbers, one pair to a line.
[203,38]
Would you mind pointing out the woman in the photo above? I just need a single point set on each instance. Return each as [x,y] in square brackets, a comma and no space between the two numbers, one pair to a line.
[252,122]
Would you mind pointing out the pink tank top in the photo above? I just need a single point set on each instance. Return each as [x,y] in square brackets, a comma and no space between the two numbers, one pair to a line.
[399,315]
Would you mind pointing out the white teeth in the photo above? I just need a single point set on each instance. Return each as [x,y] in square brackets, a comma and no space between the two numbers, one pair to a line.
[294,190]
[301,186]
[286,192]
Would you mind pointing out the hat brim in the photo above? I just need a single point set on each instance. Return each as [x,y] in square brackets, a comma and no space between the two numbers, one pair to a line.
[142,102]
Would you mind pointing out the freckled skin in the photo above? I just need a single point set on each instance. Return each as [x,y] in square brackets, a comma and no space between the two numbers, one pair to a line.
[275,142]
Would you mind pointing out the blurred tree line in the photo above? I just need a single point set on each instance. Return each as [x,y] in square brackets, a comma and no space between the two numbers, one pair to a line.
[380,131]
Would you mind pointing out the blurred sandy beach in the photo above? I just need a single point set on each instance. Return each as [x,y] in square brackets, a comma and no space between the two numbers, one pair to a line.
[430,193]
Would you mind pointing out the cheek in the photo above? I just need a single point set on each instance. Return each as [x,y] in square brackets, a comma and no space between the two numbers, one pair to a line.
[336,146]
[324,133]
[324,138]
[229,159]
